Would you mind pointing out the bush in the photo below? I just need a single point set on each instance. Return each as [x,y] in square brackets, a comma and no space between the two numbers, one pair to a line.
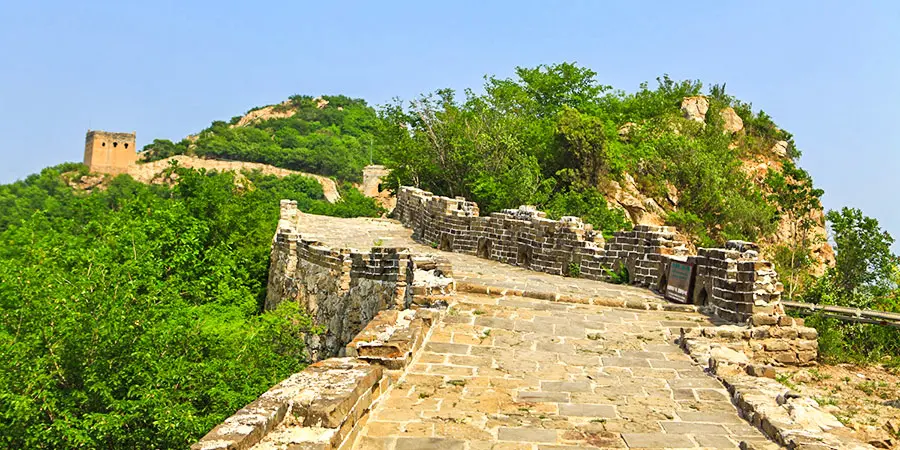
[130,317]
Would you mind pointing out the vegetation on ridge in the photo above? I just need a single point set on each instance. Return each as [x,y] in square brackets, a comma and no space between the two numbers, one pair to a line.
[333,141]
[130,316]
[556,138]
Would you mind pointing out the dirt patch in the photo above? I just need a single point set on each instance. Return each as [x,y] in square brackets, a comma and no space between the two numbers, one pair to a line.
[865,399]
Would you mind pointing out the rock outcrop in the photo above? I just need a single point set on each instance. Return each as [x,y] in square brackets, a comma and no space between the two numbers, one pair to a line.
[642,209]
[732,121]
[280,111]
[695,108]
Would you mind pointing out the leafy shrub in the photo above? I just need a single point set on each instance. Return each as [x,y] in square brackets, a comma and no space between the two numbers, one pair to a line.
[130,317]
[619,275]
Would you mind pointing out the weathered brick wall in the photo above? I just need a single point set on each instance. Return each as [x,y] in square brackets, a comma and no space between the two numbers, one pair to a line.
[643,251]
[769,339]
[733,283]
[342,289]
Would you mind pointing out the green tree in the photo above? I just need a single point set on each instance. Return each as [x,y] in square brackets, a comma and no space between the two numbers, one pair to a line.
[864,264]
[797,200]
[130,316]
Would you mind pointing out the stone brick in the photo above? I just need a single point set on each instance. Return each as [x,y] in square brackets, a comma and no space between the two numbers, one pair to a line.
[566,386]
[526,434]
[429,443]
[587,410]
[657,440]
[555,397]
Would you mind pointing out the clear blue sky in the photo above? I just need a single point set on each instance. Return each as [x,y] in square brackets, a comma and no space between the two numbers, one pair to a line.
[828,72]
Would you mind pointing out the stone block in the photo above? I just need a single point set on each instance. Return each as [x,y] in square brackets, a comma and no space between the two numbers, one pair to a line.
[756,370]
[758,320]
[526,435]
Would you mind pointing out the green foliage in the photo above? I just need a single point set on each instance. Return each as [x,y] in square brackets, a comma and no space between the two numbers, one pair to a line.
[590,206]
[164,148]
[864,276]
[129,317]
[620,275]
[573,270]
[556,138]
[793,194]
[841,342]
[864,263]
[335,140]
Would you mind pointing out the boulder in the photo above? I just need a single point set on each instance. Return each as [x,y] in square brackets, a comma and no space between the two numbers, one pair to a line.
[780,149]
[732,121]
[695,108]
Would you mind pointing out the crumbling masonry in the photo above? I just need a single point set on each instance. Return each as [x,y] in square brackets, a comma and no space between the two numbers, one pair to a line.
[732,283]
[342,289]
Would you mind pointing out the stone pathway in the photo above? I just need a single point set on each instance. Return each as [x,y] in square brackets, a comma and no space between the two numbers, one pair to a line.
[363,233]
[514,373]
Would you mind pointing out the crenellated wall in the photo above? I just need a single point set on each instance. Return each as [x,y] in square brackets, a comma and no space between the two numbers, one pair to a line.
[341,288]
[733,283]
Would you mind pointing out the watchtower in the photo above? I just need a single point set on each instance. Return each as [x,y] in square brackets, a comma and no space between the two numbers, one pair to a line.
[107,152]
[372,176]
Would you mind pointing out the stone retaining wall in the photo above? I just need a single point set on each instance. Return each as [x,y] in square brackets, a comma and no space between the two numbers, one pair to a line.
[766,339]
[788,418]
[324,406]
[733,283]
[342,289]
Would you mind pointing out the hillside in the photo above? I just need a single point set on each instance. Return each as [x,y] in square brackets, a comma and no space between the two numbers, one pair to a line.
[130,313]
[330,136]
[555,137]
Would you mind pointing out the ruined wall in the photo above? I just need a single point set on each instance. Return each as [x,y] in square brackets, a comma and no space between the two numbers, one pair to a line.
[148,172]
[767,339]
[342,289]
[372,176]
[733,283]
[110,153]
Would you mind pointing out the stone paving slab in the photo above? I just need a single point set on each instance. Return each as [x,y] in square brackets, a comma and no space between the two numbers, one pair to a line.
[492,376]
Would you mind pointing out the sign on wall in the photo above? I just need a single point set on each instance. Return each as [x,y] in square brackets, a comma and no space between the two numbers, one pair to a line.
[678,282]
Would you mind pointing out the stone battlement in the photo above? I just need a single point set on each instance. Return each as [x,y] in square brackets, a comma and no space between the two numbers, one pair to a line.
[733,283]
[342,288]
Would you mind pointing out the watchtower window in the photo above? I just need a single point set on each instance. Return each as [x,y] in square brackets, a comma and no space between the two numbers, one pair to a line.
[103,144]
[115,144]
[126,145]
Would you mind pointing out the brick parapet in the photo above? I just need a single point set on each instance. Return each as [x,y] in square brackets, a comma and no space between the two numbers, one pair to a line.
[732,282]
[342,289]
[325,405]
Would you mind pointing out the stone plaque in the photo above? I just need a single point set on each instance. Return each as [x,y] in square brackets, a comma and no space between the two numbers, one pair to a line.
[678,282]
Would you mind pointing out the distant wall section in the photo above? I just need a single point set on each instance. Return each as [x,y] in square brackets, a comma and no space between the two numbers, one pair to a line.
[372,177]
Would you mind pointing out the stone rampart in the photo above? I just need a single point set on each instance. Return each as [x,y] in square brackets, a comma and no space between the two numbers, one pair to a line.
[342,289]
[325,405]
[732,283]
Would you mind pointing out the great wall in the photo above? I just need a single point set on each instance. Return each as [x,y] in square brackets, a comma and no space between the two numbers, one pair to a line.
[449,330]
[115,154]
